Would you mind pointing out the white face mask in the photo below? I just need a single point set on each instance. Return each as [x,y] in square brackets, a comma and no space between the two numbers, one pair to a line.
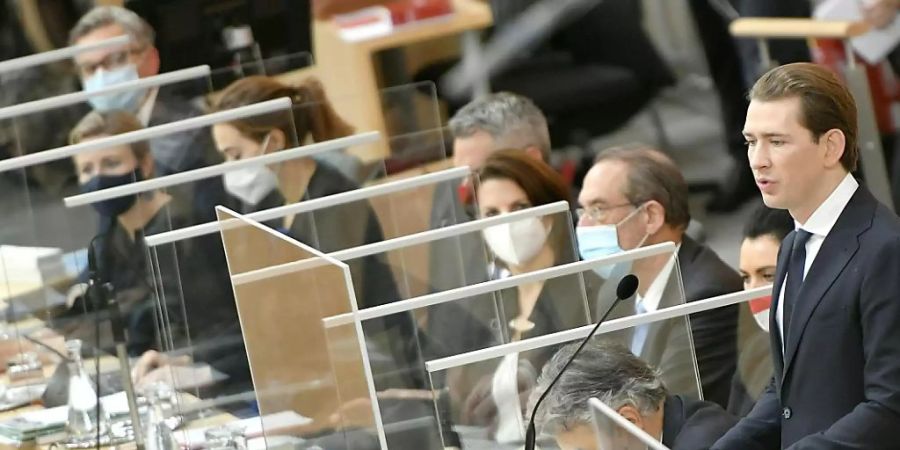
[518,242]
[252,184]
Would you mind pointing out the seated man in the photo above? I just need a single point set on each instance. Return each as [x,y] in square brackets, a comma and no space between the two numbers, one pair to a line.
[494,122]
[627,384]
[636,197]
[100,69]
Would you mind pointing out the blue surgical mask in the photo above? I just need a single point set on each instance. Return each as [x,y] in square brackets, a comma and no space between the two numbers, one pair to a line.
[113,207]
[598,241]
[129,100]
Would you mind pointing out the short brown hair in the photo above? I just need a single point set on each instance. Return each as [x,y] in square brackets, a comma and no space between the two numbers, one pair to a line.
[825,102]
[110,123]
[653,176]
[541,184]
[312,113]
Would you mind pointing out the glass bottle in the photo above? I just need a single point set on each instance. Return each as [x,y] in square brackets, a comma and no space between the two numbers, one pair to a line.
[157,434]
[86,414]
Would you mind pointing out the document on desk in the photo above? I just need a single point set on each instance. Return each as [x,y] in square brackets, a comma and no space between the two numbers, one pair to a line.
[873,46]
[253,427]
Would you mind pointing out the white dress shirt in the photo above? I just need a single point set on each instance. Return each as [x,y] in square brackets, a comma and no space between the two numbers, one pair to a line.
[146,109]
[819,225]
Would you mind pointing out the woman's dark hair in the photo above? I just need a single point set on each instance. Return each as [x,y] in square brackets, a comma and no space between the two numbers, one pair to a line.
[766,221]
[541,183]
[542,186]
[312,116]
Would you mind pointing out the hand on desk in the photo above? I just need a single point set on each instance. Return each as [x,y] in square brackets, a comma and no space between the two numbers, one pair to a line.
[154,366]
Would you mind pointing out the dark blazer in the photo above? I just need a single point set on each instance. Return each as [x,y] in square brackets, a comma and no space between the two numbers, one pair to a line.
[187,150]
[705,275]
[837,384]
[693,425]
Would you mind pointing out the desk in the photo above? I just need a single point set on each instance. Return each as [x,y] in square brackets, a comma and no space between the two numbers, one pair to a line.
[347,69]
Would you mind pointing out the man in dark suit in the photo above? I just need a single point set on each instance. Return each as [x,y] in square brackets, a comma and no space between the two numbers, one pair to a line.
[835,321]
[177,152]
[642,194]
[629,385]
[99,69]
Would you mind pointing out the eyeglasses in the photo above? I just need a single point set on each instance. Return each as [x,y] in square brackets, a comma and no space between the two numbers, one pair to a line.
[597,214]
[110,61]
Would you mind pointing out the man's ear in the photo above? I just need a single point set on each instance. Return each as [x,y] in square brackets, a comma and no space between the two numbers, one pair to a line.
[835,145]
[656,216]
[150,65]
[631,414]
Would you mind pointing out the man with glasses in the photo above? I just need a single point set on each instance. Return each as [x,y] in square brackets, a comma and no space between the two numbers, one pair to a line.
[635,197]
[100,69]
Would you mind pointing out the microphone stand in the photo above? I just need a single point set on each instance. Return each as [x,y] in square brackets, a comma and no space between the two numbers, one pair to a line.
[104,298]
[626,288]
[119,337]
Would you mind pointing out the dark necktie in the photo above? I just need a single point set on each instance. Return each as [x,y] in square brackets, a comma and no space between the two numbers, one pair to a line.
[794,279]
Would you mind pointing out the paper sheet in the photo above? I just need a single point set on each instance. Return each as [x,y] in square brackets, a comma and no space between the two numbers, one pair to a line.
[873,46]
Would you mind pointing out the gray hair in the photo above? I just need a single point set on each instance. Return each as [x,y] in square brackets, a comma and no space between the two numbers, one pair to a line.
[101,16]
[512,120]
[604,370]
[652,175]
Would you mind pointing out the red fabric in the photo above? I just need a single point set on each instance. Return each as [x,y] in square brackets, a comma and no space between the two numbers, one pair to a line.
[761,304]
[830,53]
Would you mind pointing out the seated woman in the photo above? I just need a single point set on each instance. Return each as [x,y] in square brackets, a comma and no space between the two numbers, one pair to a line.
[289,182]
[193,271]
[510,181]
[759,254]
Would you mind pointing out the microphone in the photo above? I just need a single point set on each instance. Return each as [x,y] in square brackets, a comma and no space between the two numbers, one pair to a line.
[626,288]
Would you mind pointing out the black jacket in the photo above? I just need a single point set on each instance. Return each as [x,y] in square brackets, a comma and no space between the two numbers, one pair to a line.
[693,425]
[705,275]
[837,384]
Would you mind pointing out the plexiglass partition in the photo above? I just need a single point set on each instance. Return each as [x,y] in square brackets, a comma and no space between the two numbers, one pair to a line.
[484,388]
[153,101]
[281,66]
[408,118]
[150,287]
[48,74]
[297,365]
[185,303]
[614,431]
[754,368]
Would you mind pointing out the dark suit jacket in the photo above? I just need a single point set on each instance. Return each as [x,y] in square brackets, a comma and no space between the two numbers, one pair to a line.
[693,425]
[837,384]
[187,150]
[705,275]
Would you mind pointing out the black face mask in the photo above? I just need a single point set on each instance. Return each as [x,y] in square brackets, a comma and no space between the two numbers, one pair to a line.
[114,206]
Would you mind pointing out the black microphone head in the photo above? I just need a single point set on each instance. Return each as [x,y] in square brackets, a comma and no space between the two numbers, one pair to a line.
[627,286]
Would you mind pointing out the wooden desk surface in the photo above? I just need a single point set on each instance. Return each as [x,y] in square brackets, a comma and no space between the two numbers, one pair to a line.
[468,15]
[797,28]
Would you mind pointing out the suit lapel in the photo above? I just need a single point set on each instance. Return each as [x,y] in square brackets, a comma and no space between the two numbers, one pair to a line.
[838,248]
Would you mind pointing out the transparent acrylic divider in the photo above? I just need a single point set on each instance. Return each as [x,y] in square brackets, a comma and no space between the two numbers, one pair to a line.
[320,379]
[183,293]
[408,117]
[614,431]
[28,122]
[143,299]
[400,340]
[754,354]
[482,388]
[282,66]
[49,73]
